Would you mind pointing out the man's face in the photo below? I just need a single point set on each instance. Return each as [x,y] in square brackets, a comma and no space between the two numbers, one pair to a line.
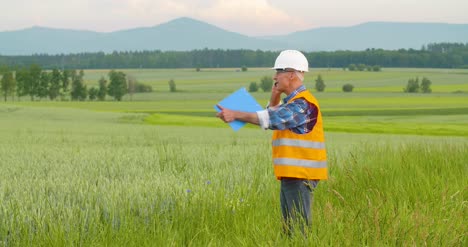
[282,79]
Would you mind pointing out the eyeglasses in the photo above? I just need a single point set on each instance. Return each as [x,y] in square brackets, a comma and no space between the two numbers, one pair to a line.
[279,71]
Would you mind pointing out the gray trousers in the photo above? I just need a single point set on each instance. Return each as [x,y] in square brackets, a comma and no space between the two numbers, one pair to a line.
[296,196]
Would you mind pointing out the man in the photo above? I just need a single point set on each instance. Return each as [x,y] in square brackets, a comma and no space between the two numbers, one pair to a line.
[299,154]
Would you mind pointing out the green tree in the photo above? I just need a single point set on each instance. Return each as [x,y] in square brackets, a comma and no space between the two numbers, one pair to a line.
[442,55]
[118,84]
[253,87]
[376,68]
[266,83]
[7,84]
[412,86]
[55,84]
[65,84]
[22,79]
[319,84]
[244,68]
[4,69]
[352,67]
[102,92]
[78,89]
[43,87]
[426,85]
[84,90]
[92,93]
[66,80]
[31,85]
[348,87]
[172,86]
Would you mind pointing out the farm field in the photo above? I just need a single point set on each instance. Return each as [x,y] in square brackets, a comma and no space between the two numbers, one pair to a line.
[228,79]
[162,170]
[376,94]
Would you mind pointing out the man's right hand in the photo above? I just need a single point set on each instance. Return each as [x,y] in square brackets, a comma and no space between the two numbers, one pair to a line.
[275,95]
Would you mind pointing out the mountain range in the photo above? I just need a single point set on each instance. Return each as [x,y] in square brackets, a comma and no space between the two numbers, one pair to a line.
[185,34]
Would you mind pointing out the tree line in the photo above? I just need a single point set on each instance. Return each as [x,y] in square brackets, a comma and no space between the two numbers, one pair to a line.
[66,84]
[436,55]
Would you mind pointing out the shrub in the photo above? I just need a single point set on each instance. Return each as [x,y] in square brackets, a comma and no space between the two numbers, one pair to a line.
[266,83]
[172,86]
[361,67]
[244,68]
[426,85]
[348,87]
[142,88]
[253,87]
[412,86]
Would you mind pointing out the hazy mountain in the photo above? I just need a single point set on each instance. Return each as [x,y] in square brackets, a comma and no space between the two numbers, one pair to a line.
[385,35]
[180,35]
[46,40]
[188,34]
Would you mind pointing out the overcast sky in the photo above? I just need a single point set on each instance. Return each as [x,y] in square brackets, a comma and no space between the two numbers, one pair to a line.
[249,17]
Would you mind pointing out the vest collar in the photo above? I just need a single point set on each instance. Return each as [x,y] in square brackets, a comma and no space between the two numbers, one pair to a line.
[294,93]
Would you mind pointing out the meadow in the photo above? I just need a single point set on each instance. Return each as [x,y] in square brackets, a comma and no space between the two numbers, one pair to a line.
[161,170]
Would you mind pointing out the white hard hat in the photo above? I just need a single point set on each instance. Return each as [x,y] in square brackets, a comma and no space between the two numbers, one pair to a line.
[292,59]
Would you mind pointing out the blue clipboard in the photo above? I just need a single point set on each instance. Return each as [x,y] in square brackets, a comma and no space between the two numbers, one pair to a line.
[240,100]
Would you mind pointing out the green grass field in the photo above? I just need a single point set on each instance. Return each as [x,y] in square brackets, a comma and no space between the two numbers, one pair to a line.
[377,94]
[161,170]
[227,80]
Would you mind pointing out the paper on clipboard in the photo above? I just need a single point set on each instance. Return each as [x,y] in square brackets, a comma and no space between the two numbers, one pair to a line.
[240,100]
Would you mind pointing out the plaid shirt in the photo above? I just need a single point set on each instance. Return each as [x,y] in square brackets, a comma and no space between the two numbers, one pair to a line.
[299,115]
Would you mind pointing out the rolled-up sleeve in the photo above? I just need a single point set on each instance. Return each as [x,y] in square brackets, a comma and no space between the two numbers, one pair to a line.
[263,119]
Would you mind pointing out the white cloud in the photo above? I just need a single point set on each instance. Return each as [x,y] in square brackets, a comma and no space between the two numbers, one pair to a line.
[347,13]
[147,8]
[253,17]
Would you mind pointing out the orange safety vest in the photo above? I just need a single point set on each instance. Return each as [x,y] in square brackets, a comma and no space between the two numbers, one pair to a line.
[301,155]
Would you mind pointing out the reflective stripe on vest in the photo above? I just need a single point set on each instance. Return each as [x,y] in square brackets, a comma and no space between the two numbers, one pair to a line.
[301,163]
[298,143]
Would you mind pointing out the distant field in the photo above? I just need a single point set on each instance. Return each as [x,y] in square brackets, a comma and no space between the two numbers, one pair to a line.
[377,104]
[226,80]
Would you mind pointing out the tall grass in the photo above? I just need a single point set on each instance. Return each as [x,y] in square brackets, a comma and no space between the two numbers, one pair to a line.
[73,177]
[407,193]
